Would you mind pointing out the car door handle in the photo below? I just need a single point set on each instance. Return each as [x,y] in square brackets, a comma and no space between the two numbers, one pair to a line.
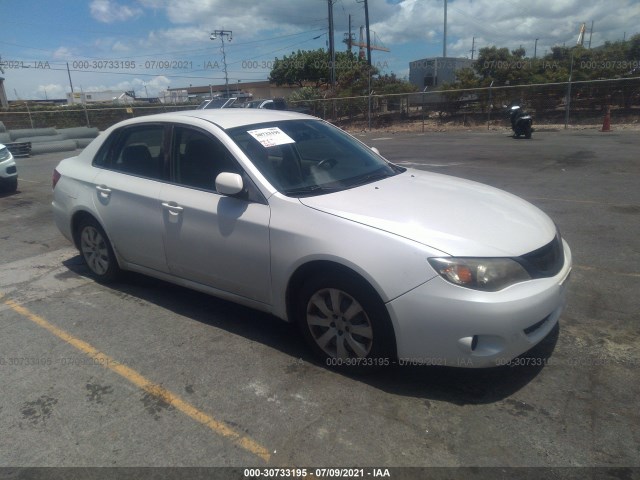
[173,208]
[103,190]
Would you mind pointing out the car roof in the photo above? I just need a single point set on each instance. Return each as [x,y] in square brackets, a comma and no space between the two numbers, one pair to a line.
[226,117]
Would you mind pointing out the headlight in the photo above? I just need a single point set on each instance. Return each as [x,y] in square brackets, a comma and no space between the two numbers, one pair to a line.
[487,274]
[4,154]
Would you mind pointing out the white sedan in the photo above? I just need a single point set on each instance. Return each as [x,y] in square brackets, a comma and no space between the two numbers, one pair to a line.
[287,214]
[8,170]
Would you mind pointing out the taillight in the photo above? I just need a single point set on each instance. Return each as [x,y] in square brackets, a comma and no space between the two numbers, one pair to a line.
[54,179]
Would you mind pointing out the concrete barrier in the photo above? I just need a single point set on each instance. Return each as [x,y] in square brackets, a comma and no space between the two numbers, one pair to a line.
[43,138]
[79,132]
[31,132]
[50,147]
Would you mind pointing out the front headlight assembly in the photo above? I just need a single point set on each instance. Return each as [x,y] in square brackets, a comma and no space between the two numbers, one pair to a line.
[5,154]
[486,274]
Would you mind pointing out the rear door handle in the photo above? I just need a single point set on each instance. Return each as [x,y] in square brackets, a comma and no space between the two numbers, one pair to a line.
[174,208]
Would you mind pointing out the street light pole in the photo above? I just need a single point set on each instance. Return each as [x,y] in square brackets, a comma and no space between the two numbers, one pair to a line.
[229,35]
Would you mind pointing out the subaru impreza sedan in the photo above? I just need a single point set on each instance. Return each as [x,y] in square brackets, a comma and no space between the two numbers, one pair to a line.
[287,214]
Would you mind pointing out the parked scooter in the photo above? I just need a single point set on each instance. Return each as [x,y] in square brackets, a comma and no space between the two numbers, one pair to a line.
[521,122]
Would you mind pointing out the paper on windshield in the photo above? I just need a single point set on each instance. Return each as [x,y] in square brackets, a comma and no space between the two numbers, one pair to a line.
[270,137]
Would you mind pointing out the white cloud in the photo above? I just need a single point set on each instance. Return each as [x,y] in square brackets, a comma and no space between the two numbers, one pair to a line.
[50,91]
[120,47]
[63,53]
[108,11]
[507,23]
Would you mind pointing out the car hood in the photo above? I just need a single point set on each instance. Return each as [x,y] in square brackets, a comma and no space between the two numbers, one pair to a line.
[456,216]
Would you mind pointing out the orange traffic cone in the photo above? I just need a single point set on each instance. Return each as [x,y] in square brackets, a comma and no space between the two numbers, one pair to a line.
[606,124]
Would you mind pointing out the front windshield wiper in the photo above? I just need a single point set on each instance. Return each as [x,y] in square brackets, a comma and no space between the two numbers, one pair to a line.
[369,177]
[309,190]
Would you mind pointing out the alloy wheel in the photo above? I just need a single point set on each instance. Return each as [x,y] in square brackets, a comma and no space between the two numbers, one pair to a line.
[339,325]
[94,250]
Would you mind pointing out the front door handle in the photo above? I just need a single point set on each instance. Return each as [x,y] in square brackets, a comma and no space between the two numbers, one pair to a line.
[174,208]
[103,190]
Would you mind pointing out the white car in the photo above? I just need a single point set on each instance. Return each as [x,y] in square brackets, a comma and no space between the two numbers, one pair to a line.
[8,171]
[290,215]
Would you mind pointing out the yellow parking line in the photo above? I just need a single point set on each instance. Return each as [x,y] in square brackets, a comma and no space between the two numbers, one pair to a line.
[140,381]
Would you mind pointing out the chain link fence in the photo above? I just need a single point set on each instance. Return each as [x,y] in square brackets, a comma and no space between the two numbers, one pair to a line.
[577,103]
[36,116]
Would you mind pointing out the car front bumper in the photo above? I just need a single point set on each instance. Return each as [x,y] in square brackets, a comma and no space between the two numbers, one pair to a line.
[439,323]
[8,170]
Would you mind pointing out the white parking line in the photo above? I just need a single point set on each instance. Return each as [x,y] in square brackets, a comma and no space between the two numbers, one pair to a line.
[383,138]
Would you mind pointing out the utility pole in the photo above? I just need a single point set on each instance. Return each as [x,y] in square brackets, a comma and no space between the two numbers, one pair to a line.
[535,48]
[349,38]
[70,84]
[473,47]
[229,35]
[444,46]
[590,34]
[366,22]
[332,48]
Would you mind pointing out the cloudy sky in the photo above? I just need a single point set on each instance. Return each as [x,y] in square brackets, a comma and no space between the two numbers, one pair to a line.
[148,45]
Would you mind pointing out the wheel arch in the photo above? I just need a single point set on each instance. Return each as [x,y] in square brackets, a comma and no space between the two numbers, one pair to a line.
[324,267]
[76,219]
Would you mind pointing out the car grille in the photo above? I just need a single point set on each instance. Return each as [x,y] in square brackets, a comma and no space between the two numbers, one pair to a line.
[546,261]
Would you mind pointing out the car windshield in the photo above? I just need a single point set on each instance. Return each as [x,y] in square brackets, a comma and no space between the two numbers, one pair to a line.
[310,157]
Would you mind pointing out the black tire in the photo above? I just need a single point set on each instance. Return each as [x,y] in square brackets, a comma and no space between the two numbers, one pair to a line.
[345,322]
[96,250]
[11,186]
[527,132]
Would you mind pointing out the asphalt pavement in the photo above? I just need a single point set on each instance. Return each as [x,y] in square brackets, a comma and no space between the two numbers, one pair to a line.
[144,373]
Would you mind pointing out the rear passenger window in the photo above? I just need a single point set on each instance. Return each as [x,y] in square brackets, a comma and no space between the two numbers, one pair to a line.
[138,151]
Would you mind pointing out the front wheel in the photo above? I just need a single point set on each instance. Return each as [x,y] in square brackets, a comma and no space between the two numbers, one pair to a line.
[96,250]
[11,186]
[345,322]
[527,131]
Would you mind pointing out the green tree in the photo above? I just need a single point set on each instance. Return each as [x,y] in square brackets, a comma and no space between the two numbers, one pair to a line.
[313,67]
[300,68]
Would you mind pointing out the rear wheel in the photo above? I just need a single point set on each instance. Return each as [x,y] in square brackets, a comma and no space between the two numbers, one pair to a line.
[96,250]
[345,322]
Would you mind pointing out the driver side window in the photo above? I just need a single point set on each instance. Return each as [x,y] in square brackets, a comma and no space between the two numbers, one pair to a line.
[198,158]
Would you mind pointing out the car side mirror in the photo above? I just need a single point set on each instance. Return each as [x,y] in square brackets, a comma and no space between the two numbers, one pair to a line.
[229,183]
